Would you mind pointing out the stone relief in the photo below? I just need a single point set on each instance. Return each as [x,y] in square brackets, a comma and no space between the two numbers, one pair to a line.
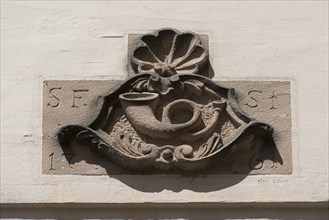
[169,52]
[168,116]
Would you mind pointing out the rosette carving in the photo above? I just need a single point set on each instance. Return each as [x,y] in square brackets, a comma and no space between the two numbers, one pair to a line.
[169,52]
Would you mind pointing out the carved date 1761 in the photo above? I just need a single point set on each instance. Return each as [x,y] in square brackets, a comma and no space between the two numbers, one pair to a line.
[169,116]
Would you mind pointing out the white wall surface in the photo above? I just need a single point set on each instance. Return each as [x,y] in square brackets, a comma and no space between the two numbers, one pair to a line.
[256,40]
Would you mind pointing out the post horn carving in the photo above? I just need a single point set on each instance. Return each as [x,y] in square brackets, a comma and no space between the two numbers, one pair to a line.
[167,116]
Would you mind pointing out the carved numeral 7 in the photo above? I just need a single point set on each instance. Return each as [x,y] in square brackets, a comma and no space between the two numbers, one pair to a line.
[71,155]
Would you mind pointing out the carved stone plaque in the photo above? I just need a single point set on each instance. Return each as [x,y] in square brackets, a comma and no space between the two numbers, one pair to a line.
[167,117]
[70,102]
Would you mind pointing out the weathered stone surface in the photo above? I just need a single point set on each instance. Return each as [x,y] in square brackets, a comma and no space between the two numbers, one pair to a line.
[168,117]
[79,102]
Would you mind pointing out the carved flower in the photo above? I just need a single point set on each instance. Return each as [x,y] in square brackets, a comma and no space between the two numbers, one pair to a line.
[168,52]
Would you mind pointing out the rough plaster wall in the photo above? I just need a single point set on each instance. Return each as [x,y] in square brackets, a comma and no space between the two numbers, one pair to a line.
[87,40]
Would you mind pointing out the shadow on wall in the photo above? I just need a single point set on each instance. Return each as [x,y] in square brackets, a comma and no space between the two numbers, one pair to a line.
[202,166]
[169,126]
[234,165]
[204,181]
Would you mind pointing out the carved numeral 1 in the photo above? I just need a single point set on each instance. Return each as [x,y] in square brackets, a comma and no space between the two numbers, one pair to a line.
[51,161]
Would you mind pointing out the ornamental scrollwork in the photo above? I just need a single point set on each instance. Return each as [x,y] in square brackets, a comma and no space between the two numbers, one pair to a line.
[167,116]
